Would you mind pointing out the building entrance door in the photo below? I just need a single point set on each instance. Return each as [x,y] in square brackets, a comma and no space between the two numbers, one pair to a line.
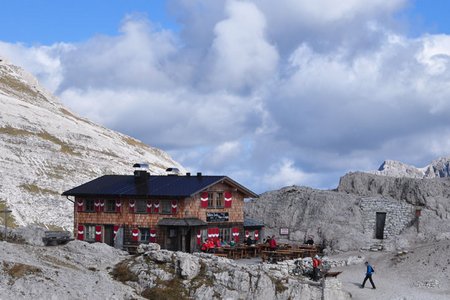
[109,235]
[379,227]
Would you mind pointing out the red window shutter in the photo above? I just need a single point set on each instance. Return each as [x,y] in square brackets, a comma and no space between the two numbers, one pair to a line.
[102,205]
[97,205]
[216,236]
[115,229]
[132,205]
[80,204]
[174,206]
[228,197]
[247,234]
[98,233]
[210,233]
[156,207]
[199,237]
[149,206]
[256,235]
[118,205]
[235,231]
[135,235]
[80,235]
[153,236]
[204,200]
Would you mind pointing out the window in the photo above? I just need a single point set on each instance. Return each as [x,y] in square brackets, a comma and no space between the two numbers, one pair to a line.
[224,233]
[89,205]
[215,200]
[141,206]
[144,236]
[110,205]
[166,207]
[89,233]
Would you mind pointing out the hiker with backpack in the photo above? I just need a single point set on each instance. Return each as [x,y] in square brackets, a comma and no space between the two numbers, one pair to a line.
[369,273]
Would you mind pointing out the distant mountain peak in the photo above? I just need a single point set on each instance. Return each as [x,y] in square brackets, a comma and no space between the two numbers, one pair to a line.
[437,168]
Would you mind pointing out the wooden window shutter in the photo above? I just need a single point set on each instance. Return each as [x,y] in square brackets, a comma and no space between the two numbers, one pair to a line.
[204,200]
[228,199]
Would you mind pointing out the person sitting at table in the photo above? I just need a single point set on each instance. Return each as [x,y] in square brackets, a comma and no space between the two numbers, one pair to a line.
[232,243]
[211,246]
[249,241]
[204,246]
[273,243]
[309,241]
[218,243]
[223,243]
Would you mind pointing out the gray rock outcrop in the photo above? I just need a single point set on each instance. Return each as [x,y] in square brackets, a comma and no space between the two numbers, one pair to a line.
[178,275]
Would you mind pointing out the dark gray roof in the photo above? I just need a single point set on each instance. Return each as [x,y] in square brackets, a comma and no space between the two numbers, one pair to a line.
[181,222]
[153,186]
[252,223]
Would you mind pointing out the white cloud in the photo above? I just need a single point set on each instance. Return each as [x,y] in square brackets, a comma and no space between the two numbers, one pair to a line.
[294,93]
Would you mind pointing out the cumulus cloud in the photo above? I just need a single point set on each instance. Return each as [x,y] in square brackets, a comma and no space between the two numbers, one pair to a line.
[294,93]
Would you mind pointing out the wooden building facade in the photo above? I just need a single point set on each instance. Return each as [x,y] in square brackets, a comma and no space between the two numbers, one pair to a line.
[176,211]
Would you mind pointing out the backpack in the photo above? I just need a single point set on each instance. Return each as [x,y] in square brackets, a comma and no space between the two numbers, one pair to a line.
[372,270]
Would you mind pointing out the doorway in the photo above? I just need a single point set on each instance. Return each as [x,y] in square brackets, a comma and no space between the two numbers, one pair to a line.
[379,227]
[109,235]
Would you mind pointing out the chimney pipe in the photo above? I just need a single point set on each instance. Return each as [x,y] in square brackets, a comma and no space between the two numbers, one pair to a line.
[199,174]
[188,174]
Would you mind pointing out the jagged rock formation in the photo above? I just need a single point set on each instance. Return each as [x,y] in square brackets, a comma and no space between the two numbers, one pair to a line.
[46,149]
[438,168]
[345,219]
[178,275]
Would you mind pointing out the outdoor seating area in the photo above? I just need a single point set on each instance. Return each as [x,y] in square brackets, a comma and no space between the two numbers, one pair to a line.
[282,252]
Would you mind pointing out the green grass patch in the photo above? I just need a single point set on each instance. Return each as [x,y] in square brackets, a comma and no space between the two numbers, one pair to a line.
[34,189]
[122,272]
[167,290]
[12,131]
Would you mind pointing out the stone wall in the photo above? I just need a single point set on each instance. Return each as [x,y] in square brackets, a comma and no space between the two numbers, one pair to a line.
[399,215]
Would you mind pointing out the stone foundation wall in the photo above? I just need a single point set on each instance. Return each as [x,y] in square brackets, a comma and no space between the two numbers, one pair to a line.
[398,215]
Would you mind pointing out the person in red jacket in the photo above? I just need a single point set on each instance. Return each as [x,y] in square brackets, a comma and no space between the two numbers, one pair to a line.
[316,263]
[273,243]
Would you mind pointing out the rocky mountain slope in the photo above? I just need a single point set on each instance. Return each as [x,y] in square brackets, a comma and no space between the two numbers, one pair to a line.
[46,149]
[336,218]
[437,168]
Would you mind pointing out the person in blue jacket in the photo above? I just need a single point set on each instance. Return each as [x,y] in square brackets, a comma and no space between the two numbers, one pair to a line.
[369,273]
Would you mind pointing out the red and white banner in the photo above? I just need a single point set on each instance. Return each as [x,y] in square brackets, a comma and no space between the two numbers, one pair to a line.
[235,232]
[247,234]
[149,206]
[135,235]
[98,233]
[256,235]
[152,235]
[156,207]
[80,204]
[132,205]
[228,197]
[115,229]
[174,206]
[118,205]
[204,200]
[102,205]
[199,237]
[80,235]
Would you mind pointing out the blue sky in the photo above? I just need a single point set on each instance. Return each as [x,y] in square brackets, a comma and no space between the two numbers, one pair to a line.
[300,92]
[47,21]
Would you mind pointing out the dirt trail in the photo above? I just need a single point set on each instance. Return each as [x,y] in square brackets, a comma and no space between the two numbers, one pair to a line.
[421,273]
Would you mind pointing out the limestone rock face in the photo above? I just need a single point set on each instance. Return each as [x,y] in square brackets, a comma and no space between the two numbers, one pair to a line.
[437,168]
[329,216]
[338,219]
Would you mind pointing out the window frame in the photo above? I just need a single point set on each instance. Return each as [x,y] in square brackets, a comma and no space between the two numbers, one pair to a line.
[216,199]
[89,233]
[144,234]
[89,205]
[141,206]
[165,204]
[110,204]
